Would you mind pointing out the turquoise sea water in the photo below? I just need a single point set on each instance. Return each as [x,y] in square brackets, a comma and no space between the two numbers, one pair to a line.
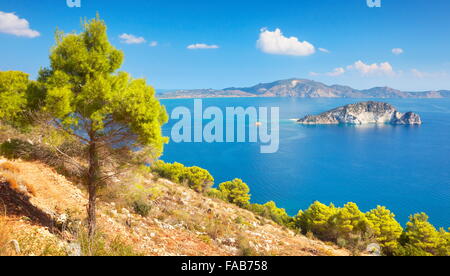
[406,168]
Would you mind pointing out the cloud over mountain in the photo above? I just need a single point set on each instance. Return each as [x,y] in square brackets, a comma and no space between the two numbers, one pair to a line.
[335,73]
[384,68]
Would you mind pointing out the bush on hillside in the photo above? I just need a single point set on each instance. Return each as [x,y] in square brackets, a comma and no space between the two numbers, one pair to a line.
[13,88]
[421,236]
[271,211]
[215,193]
[235,192]
[386,229]
[196,178]
[16,148]
[316,219]
[101,245]
[347,226]
[142,208]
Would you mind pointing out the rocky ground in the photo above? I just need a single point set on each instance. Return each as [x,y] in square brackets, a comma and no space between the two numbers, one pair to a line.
[181,222]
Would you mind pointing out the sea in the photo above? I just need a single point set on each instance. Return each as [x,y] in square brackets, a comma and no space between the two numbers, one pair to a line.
[405,168]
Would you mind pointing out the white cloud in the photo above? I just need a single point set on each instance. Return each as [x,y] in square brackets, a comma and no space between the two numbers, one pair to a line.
[384,68]
[421,75]
[397,51]
[12,24]
[323,50]
[153,44]
[380,69]
[277,44]
[336,72]
[131,39]
[418,74]
[202,46]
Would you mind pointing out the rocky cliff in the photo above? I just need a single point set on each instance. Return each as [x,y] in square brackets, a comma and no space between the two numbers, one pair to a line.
[363,113]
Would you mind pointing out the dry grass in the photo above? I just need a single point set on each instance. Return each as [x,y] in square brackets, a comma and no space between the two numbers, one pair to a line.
[5,232]
[30,188]
[52,191]
[11,180]
[35,240]
[245,248]
[17,183]
[9,167]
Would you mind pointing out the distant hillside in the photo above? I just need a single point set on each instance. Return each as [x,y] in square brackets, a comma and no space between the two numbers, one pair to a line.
[203,93]
[302,88]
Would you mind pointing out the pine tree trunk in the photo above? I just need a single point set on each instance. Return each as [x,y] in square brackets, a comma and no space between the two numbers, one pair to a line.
[92,178]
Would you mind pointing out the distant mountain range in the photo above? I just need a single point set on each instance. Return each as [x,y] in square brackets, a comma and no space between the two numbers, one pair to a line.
[301,88]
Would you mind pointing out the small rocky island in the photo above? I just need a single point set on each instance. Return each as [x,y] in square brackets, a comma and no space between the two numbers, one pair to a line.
[363,113]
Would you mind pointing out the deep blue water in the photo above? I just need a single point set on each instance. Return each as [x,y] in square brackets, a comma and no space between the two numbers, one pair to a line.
[406,168]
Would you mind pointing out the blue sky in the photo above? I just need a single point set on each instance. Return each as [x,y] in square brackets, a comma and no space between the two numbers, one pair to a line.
[242,43]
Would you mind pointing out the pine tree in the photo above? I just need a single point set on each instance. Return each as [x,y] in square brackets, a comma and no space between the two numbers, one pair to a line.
[105,109]
[422,234]
[236,192]
[386,229]
[349,220]
[13,91]
[316,219]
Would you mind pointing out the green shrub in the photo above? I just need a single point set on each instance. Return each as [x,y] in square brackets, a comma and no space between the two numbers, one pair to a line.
[258,209]
[196,178]
[349,222]
[142,208]
[205,238]
[271,211]
[316,219]
[100,246]
[278,215]
[347,226]
[386,229]
[421,236]
[34,243]
[215,193]
[245,249]
[236,192]
[172,172]
[118,247]
[16,148]
[13,88]
[95,246]
[410,251]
